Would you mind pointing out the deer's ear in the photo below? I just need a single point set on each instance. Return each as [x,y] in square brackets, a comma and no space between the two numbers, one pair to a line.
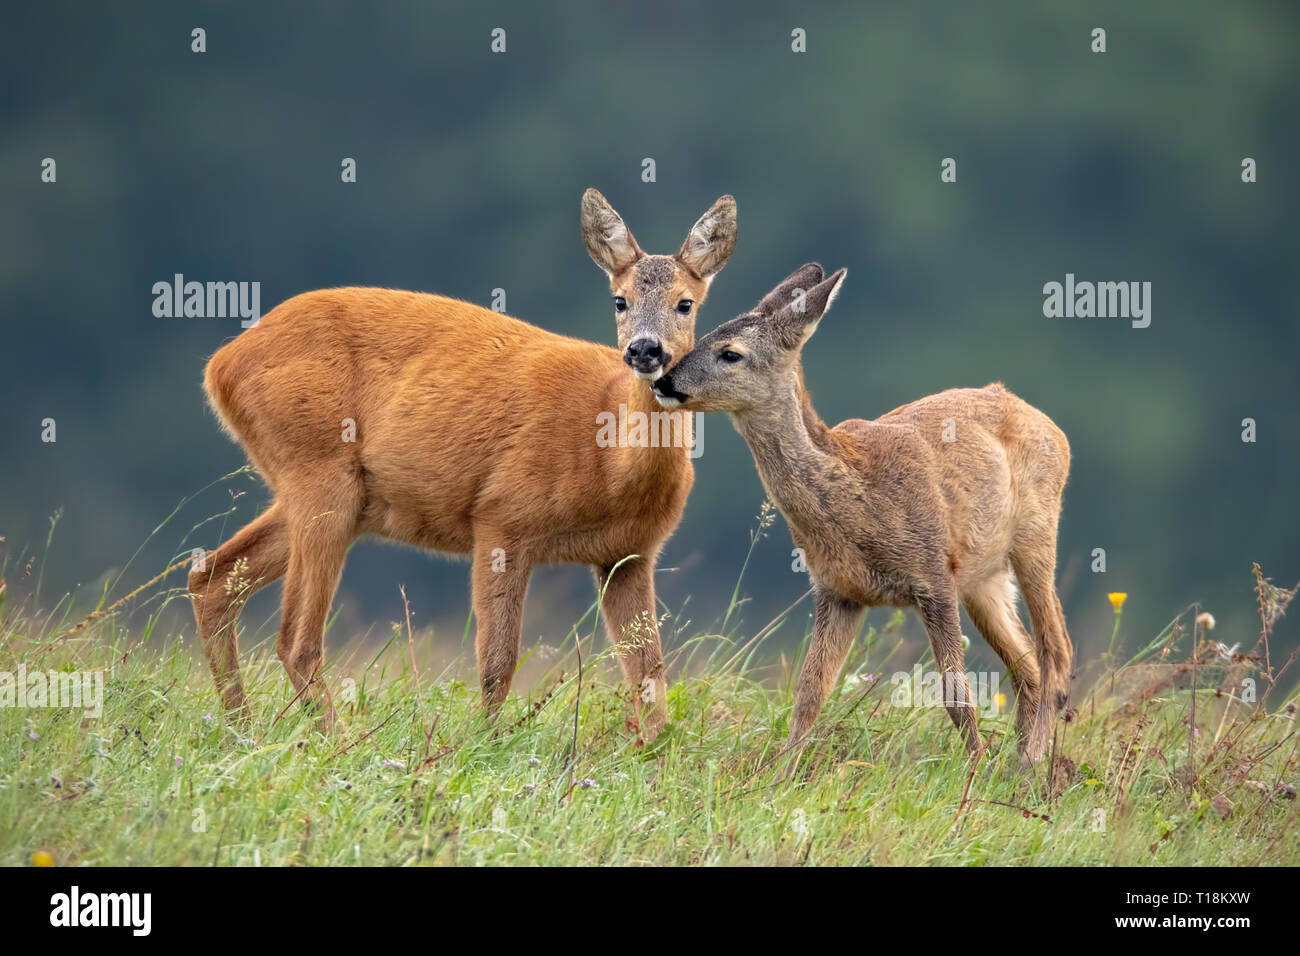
[609,242]
[796,284]
[711,240]
[796,321]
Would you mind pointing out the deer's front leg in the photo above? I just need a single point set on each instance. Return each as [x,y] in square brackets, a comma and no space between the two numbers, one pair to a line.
[938,611]
[834,625]
[500,580]
[628,603]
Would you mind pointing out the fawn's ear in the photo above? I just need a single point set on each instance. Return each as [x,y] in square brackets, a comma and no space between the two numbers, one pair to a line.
[796,321]
[609,242]
[797,283]
[711,240]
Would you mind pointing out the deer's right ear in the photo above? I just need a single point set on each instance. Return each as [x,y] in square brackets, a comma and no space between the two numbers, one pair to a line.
[797,283]
[796,321]
[609,242]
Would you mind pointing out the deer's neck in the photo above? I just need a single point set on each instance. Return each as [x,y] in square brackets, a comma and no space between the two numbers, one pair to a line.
[654,443]
[794,455]
[638,396]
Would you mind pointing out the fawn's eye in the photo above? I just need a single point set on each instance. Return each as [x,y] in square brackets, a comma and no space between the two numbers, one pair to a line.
[729,356]
[620,304]
[684,306]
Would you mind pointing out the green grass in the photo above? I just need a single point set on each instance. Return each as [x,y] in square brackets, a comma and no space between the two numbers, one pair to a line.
[417,775]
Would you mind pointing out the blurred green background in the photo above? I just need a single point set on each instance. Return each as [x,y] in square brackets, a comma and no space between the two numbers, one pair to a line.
[225,166]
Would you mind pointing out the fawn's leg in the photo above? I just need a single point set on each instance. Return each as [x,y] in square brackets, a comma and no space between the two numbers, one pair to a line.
[223,583]
[500,581]
[943,626]
[1035,567]
[628,603]
[835,622]
[991,605]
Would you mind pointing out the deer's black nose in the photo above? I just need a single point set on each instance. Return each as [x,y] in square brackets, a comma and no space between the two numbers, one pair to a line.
[647,358]
[644,351]
[667,392]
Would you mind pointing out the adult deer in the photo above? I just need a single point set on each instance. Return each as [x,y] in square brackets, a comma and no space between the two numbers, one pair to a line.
[936,502]
[447,426]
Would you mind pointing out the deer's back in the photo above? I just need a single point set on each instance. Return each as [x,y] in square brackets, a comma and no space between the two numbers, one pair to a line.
[981,430]
[980,460]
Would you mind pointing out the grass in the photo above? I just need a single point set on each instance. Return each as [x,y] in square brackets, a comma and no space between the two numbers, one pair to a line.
[417,776]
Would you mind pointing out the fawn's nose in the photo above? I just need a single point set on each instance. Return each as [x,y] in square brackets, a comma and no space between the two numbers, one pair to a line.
[646,356]
[666,394]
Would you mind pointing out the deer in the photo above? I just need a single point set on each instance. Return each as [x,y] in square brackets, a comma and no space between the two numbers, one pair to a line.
[435,423]
[936,503]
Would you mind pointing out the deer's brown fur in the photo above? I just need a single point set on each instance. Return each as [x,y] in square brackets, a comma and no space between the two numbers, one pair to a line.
[474,432]
[888,512]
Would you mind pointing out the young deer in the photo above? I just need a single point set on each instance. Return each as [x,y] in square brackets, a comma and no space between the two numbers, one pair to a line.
[440,424]
[935,502]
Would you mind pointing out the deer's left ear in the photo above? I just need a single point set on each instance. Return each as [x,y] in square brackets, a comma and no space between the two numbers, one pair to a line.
[711,240]
[796,321]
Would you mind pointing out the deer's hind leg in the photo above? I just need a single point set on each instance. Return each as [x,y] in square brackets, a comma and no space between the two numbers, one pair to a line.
[991,605]
[1034,560]
[223,581]
[321,528]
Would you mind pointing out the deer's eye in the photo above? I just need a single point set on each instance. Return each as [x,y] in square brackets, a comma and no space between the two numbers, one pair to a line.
[684,306]
[620,304]
[729,356]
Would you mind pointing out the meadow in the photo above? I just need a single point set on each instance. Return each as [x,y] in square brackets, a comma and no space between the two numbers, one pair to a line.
[1160,760]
